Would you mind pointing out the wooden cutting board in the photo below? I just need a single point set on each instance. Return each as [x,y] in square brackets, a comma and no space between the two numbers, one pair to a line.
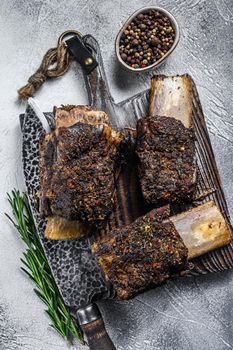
[130,203]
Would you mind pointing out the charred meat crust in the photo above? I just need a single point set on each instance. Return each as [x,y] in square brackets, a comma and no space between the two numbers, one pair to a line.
[79,183]
[166,153]
[141,255]
[83,181]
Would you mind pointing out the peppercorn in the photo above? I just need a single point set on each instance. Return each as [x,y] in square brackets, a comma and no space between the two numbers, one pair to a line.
[146,39]
[70,184]
[124,56]
[155,41]
[142,26]
[134,42]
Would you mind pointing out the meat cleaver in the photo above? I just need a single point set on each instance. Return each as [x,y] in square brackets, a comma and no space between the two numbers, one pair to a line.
[75,270]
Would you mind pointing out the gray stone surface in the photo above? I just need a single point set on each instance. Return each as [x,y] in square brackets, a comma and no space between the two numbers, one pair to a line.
[195,314]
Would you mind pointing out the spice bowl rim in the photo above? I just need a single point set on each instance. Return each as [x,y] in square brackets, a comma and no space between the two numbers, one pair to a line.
[127,22]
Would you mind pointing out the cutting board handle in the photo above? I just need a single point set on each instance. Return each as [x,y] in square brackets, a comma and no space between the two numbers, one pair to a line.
[96,82]
[93,327]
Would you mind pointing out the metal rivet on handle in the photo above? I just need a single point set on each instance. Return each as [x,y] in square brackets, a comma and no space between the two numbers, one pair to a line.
[88,61]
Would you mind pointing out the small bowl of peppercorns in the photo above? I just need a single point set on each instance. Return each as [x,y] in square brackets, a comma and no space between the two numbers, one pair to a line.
[146,39]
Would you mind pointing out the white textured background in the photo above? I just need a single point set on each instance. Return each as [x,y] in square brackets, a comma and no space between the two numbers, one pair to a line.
[194,314]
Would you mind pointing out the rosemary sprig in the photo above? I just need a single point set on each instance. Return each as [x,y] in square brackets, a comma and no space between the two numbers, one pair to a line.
[36,266]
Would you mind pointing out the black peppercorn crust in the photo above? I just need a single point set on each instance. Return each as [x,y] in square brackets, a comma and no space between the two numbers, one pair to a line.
[166,153]
[84,177]
[141,255]
[81,183]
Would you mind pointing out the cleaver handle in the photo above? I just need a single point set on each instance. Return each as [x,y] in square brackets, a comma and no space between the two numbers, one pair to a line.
[97,87]
[97,336]
[93,327]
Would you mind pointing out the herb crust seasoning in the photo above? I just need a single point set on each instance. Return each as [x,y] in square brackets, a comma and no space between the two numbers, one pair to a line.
[141,255]
[167,162]
[83,178]
[146,39]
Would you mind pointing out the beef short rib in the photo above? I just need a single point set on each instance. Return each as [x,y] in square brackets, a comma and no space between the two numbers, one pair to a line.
[166,153]
[141,255]
[79,184]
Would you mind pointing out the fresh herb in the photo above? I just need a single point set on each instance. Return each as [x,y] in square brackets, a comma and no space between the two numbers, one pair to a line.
[37,268]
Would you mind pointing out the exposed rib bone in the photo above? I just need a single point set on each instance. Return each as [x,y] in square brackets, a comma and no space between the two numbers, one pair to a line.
[172,97]
[202,229]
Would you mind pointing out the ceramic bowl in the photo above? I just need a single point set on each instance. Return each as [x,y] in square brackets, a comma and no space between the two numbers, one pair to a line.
[162,59]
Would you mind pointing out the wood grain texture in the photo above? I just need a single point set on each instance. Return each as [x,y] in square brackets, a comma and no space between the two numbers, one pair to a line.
[130,203]
[97,336]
